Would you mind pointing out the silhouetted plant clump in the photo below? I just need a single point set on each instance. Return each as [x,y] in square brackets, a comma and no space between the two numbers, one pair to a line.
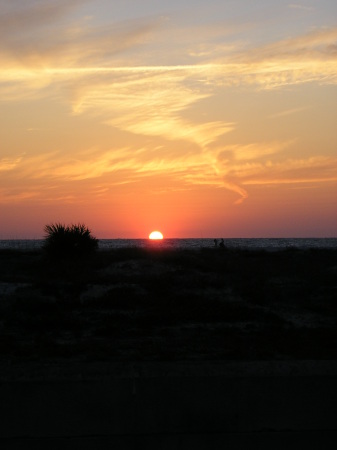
[69,241]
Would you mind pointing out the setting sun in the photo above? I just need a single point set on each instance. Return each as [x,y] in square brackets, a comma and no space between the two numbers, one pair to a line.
[156,235]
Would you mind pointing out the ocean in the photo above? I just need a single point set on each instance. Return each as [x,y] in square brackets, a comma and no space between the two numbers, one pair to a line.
[241,243]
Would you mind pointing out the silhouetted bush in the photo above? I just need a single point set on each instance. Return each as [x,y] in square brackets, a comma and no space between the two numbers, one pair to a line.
[69,241]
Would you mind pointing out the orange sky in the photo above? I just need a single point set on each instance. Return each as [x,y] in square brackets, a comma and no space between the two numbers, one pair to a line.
[198,121]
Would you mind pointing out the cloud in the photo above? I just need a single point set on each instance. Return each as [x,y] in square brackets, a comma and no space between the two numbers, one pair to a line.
[151,100]
[288,112]
[234,169]
[234,187]
[95,68]
[18,18]
[234,162]
[312,46]
[252,151]
[299,6]
[244,166]
[35,37]
[7,164]
[107,72]
[9,196]
[317,169]
[92,174]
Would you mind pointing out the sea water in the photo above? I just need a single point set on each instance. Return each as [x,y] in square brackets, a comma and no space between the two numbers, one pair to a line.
[241,243]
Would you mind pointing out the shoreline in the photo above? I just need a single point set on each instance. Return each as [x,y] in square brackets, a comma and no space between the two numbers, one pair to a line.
[247,244]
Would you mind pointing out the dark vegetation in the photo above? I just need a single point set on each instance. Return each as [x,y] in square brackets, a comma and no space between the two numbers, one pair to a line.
[159,304]
[72,241]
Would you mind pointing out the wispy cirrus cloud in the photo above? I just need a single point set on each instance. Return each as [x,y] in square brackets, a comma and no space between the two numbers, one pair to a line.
[288,112]
[252,151]
[7,164]
[238,177]
[234,169]
[233,162]
[301,7]
[96,72]
[151,100]
[40,35]
[18,18]
[318,44]
[88,66]
[318,169]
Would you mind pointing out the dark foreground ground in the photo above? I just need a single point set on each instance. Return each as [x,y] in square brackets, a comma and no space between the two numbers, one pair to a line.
[157,349]
[169,305]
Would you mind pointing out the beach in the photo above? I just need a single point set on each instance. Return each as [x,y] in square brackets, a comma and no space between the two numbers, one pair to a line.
[156,304]
[163,348]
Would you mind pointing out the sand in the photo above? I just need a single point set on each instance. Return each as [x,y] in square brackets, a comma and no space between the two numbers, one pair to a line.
[197,349]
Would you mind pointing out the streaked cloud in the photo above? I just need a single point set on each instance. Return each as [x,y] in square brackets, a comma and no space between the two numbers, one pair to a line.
[87,66]
[318,44]
[300,6]
[317,169]
[234,169]
[252,151]
[288,112]
[7,164]
[19,18]
[121,75]
[35,38]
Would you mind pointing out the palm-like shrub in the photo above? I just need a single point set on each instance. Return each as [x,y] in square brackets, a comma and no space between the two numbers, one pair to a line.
[69,241]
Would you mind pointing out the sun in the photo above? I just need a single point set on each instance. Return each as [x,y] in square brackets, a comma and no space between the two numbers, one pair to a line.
[155,235]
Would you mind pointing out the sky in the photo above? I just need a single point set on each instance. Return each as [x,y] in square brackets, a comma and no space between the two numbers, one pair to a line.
[198,119]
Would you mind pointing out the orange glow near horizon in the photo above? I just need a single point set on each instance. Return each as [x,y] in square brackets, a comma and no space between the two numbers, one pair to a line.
[155,235]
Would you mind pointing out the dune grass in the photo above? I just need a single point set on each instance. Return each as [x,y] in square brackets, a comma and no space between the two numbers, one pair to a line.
[159,304]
